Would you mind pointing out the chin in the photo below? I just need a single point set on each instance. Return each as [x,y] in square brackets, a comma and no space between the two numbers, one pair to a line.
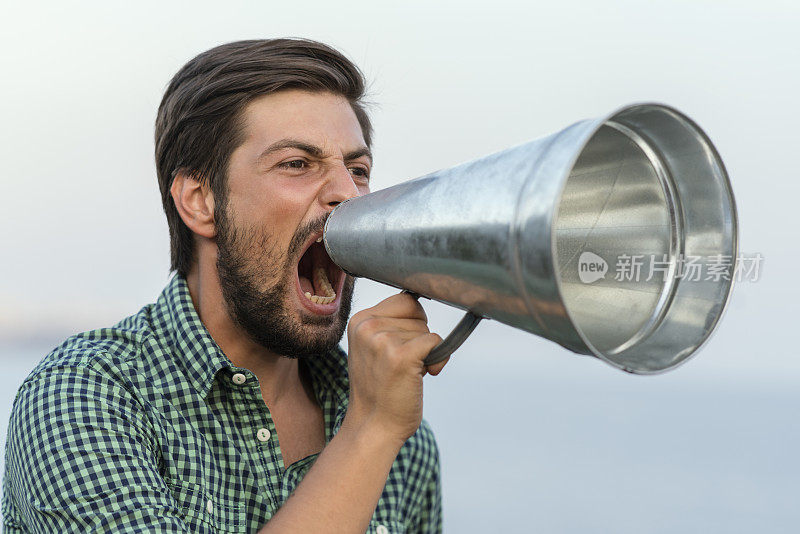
[304,313]
[326,329]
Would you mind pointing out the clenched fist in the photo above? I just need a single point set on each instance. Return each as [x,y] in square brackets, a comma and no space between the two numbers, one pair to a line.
[388,344]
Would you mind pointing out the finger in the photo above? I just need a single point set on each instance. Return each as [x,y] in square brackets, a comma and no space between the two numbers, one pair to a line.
[423,344]
[436,368]
[373,325]
[400,305]
[398,339]
[403,324]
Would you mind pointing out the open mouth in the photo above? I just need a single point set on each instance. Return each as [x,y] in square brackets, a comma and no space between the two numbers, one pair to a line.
[319,280]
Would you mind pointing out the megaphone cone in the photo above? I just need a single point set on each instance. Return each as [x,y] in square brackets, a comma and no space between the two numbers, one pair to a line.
[582,237]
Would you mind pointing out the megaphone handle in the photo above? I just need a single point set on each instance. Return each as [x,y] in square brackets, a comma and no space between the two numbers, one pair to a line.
[456,338]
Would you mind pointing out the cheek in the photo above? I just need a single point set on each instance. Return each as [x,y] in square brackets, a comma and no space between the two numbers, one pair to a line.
[279,224]
[277,212]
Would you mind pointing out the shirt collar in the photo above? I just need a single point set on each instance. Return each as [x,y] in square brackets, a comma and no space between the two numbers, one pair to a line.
[329,375]
[201,358]
[197,353]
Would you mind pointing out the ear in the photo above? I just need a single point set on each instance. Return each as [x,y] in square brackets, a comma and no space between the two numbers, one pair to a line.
[195,204]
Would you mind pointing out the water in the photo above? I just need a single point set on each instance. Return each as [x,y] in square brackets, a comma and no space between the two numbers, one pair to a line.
[555,451]
[568,445]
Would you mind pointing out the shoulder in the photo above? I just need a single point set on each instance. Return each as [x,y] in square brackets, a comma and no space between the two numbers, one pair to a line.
[83,378]
[114,352]
[91,376]
[80,397]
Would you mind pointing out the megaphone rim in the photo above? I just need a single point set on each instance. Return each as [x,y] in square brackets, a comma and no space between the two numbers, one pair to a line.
[724,176]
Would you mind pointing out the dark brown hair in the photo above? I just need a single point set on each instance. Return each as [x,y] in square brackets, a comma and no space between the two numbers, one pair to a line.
[199,122]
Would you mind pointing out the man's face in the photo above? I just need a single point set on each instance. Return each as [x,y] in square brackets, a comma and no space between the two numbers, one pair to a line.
[303,154]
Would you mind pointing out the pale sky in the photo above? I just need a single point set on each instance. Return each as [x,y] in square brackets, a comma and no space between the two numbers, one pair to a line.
[85,240]
[85,236]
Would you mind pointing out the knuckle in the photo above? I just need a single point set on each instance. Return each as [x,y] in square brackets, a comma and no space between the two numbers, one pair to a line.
[419,312]
[366,327]
[394,357]
[355,322]
[383,340]
[423,327]
[413,306]
[360,316]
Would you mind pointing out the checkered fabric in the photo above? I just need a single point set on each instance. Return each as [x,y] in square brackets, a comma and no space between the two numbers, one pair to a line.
[142,427]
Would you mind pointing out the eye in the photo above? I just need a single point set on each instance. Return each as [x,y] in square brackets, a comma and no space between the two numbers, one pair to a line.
[294,164]
[361,172]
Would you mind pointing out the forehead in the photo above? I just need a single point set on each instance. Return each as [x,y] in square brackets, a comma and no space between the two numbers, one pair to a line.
[321,118]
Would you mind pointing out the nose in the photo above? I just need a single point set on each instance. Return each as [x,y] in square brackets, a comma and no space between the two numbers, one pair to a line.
[338,187]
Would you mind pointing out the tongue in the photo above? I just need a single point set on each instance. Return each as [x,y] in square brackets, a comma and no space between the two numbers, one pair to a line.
[306,286]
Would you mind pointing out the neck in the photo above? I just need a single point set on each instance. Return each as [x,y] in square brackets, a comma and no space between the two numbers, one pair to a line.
[278,375]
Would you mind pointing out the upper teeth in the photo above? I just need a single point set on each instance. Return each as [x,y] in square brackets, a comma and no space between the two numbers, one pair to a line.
[319,240]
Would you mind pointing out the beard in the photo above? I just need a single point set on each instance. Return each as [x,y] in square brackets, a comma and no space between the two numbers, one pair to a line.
[246,259]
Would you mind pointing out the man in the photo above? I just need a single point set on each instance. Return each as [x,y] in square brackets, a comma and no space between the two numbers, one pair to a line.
[227,406]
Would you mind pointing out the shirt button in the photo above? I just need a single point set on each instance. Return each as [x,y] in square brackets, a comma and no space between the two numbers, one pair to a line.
[382,530]
[239,379]
[209,506]
[262,434]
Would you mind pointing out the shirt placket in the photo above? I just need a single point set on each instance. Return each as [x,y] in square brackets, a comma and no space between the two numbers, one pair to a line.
[258,433]
[257,429]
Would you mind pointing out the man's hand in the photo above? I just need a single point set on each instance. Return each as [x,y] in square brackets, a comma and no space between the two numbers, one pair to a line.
[387,346]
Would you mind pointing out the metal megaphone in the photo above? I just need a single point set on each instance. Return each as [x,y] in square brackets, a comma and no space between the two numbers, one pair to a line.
[529,237]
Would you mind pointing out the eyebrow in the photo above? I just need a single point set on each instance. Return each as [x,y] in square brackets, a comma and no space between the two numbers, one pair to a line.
[312,150]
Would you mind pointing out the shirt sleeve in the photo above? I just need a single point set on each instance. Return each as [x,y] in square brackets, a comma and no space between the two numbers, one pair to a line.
[80,457]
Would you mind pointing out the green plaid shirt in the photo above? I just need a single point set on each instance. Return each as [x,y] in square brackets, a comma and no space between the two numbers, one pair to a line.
[147,426]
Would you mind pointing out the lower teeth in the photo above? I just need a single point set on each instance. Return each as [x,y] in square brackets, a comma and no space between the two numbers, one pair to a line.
[320,300]
[321,282]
